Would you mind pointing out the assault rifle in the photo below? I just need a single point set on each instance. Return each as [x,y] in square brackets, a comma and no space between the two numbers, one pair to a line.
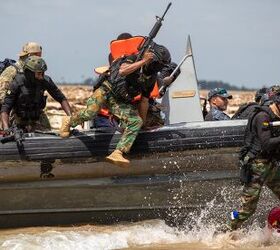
[148,40]
[16,135]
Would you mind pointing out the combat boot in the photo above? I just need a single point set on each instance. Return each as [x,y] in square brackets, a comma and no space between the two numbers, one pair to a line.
[117,158]
[64,130]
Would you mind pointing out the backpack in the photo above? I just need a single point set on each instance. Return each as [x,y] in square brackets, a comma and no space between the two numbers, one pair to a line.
[6,63]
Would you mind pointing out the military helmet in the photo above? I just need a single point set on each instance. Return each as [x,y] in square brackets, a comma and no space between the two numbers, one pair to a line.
[35,64]
[162,54]
[274,93]
[29,48]
[259,94]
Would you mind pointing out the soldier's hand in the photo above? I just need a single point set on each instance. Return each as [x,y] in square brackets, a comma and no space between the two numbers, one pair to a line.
[168,80]
[148,56]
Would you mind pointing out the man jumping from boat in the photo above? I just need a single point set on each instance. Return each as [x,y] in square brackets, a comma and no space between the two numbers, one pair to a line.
[260,158]
[127,79]
[218,99]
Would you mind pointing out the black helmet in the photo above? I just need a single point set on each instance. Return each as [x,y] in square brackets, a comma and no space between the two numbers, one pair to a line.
[161,53]
[259,94]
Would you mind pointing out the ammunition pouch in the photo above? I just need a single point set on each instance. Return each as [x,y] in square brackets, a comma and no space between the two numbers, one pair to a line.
[120,90]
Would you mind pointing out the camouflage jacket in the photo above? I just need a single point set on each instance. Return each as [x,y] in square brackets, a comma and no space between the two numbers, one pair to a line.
[216,115]
[8,76]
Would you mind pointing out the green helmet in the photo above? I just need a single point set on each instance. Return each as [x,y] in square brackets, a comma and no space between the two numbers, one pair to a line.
[35,64]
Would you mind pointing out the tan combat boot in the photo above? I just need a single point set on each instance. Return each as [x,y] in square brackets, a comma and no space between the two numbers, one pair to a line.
[64,130]
[117,158]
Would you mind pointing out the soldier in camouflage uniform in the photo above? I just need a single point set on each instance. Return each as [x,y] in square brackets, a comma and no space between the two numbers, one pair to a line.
[25,96]
[128,78]
[7,76]
[259,159]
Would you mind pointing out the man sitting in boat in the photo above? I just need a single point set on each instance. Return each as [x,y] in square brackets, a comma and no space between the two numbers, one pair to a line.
[218,99]
[259,158]
[127,79]
[245,110]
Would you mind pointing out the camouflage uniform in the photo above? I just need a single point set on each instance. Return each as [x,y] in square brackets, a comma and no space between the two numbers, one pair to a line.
[260,158]
[128,115]
[263,172]
[8,76]
[216,115]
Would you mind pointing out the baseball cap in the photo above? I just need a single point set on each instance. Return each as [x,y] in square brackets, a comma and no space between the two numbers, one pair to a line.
[219,92]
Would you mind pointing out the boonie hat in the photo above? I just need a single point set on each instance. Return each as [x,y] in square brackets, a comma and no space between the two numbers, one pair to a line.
[219,92]
[30,47]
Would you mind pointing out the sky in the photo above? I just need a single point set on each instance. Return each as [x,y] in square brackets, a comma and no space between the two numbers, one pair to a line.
[234,41]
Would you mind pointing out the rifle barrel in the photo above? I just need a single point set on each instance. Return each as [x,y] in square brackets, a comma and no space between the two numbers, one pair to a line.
[167,8]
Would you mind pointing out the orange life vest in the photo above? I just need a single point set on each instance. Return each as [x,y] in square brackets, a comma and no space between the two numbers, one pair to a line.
[125,47]
[130,46]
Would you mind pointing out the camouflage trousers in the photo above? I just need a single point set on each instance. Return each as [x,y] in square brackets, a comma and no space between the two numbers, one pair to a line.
[128,115]
[42,123]
[263,172]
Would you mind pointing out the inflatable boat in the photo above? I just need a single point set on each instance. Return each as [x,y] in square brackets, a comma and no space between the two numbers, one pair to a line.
[187,156]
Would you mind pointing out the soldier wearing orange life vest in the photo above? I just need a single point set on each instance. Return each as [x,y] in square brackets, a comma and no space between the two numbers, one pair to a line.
[127,79]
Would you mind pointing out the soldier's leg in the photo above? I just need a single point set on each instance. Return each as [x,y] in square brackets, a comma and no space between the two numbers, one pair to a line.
[94,104]
[273,181]
[131,122]
[43,123]
[251,193]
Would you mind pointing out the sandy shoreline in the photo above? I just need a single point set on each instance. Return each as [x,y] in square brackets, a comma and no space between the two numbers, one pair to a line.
[77,96]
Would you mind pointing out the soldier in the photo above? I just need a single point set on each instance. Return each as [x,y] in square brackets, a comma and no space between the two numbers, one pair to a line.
[218,99]
[25,97]
[259,158]
[245,110]
[29,49]
[6,77]
[128,78]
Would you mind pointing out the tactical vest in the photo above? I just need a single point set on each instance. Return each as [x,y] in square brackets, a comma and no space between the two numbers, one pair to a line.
[30,102]
[252,145]
[245,110]
[120,88]
[120,49]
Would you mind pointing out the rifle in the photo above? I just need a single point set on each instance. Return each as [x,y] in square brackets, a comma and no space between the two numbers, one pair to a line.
[164,88]
[152,34]
[16,135]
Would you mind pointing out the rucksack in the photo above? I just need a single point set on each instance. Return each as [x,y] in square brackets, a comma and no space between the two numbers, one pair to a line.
[6,63]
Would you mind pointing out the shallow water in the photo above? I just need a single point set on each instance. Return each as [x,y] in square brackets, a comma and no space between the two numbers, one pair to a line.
[197,230]
[153,234]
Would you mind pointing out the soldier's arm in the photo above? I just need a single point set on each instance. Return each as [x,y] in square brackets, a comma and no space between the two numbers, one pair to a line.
[57,95]
[9,103]
[268,142]
[129,67]
[6,78]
